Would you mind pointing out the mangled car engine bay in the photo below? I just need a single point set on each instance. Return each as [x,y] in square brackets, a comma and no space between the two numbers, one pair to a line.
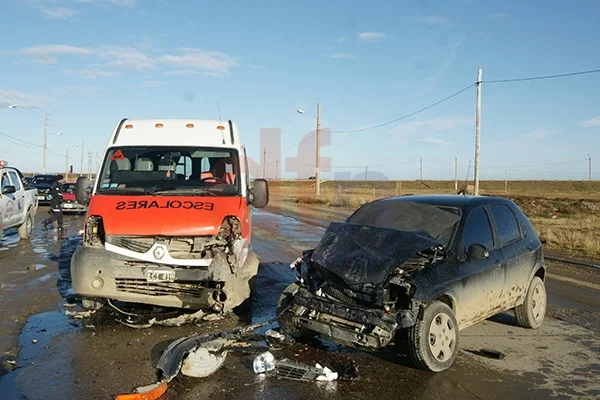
[357,287]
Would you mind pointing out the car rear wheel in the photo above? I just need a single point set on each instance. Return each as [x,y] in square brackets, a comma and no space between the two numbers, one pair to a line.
[284,316]
[433,340]
[26,227]
[531,313]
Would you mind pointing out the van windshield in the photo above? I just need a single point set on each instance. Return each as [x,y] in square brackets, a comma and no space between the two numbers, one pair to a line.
[170,171]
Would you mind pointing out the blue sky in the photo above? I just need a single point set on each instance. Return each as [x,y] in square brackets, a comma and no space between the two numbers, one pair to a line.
[89,63]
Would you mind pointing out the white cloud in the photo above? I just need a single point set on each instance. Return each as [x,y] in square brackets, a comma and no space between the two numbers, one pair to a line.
[432,140]
[499,16]
[92,73]
[430,20]
[589,123]
[126,58]
[434,125]
[343,55]
[46,54]
[191,59]
[538,134]
[341,39]
[371,36]
[59,12]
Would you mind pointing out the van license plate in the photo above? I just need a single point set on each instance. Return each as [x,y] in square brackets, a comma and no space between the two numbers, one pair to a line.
[160,276]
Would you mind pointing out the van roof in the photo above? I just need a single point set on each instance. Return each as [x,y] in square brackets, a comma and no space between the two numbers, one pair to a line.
[175,132]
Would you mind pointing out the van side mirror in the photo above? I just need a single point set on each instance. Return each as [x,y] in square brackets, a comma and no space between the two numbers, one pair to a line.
[259,193]
[83,190]
[477,251]
[9,189]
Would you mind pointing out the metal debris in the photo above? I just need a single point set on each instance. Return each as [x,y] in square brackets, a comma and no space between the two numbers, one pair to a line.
[212,317]
[275,335]
[79,314]
[289,369]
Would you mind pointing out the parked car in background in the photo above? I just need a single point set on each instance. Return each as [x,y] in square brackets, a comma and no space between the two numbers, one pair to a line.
[27,180]
[70,204]
[43,183]
[417,269]
[18,203]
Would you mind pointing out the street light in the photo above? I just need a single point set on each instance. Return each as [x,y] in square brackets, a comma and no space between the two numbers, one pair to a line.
[318,160]
[67,161]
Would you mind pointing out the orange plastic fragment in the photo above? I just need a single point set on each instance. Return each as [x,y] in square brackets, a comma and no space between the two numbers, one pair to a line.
[153,394]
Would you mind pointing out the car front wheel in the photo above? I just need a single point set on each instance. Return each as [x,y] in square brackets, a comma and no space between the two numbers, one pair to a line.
[531,313]
[433,340]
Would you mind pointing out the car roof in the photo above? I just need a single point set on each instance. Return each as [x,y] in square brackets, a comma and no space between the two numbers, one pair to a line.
[449,200]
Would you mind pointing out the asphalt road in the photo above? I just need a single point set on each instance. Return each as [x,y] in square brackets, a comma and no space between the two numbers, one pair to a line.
[98,358]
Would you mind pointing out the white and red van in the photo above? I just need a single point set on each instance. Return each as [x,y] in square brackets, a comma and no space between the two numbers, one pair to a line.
[169,218]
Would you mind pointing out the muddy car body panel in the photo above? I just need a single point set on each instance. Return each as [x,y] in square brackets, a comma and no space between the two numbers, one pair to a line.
[365,282]
[169,219]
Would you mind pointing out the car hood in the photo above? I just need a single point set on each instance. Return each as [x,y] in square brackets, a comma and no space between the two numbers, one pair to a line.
[40,185]
[361,254]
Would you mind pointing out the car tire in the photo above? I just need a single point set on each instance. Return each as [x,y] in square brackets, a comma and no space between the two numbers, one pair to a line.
[433,340]
[531,313]
[283,316]
[26,227]
[92,303]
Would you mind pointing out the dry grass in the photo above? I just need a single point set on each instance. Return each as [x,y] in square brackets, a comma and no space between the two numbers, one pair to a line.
[566,224]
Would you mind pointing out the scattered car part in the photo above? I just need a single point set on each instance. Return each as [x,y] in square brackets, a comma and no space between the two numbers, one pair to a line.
[79,314]
[274,335]
[294,370]
[495,354]
[264,362]
[172,358]
[150,392]
[200,363]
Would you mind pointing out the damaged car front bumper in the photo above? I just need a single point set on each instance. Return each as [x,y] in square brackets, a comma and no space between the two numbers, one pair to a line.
[100,273]
[345,323]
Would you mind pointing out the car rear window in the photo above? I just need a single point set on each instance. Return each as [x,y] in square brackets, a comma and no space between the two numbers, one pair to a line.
[506,223]
[478,230]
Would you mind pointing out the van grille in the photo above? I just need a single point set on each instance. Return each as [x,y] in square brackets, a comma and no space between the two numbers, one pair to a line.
[137,244]
[141,286]
[178,247]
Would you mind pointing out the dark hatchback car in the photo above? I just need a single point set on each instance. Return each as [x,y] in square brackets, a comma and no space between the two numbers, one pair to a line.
[43,183]
[416,270]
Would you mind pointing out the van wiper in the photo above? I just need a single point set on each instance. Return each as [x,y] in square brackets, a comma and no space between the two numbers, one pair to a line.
[191,192]
[127,191]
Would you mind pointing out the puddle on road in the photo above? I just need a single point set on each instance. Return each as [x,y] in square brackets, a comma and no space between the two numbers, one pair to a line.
[33,340]
[9,239]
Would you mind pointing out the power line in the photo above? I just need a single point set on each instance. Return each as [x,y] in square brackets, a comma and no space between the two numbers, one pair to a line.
[291,147]
[13,98]
[535,78]
[408,115]
[24,143]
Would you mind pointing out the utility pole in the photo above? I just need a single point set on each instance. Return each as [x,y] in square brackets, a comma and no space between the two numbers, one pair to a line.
[277,169]
[81,170]
[45,142]
[89,174]
[505,182]
[421,170]
[589,167]
[265,163]
[366,175]
[317,170]
[455,174]
[97,162]
[67,164]
[477,132]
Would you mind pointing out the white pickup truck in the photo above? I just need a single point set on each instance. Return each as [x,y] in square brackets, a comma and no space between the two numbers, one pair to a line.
[18,202]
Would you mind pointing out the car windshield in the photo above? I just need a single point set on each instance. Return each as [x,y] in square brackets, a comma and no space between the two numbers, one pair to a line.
[170,171]
[69,188]
[434,221]
[44,179]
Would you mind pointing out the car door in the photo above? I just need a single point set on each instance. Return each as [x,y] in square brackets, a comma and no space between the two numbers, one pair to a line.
[19,197]
[481,280]
[8,202]
[518,260]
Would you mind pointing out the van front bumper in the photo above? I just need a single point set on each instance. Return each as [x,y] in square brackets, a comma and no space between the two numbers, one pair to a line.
[96,272]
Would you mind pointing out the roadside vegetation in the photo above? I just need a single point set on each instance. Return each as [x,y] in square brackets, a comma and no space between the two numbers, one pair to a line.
[566,214]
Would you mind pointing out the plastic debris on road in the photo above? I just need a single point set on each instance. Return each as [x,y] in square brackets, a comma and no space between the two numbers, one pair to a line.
[274,335]
[263,363]
[200,363]
[150,392]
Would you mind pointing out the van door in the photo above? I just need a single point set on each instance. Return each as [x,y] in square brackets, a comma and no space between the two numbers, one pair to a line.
[247,193]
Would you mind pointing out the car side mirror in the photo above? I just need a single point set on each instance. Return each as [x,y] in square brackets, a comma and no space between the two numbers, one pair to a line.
[259,193]
[477,251]
[83,190]
[9,189]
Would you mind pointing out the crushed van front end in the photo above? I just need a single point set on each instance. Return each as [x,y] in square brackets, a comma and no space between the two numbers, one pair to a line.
[207,272]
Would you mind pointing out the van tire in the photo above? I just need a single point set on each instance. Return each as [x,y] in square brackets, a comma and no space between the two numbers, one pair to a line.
[26,227]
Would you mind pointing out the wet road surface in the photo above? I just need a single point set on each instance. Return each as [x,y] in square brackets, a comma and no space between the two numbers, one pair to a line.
[97,358]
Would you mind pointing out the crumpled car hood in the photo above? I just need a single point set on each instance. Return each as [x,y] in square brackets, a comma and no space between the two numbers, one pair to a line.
[361,254]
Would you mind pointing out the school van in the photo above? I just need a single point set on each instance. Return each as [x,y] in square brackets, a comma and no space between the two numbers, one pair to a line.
[169,218]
